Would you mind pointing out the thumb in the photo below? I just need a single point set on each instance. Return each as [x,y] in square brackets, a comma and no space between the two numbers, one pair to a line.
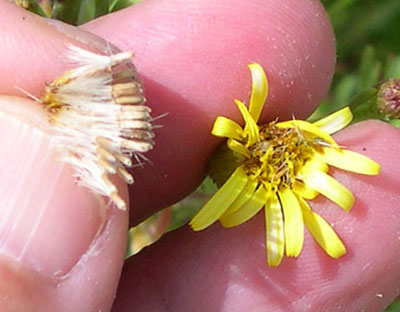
[192,56]
[60,249]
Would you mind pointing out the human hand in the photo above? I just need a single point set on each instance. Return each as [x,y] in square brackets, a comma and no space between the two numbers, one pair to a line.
[192,56]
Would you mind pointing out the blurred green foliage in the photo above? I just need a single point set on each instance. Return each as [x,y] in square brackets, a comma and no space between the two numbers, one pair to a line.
[368,42]
[361,22]
[78,12]
[368,51]
[75,12]
[394,307]
[188,207]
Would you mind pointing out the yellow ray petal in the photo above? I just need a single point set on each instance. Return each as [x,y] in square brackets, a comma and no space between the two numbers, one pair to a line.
[248,210]
[308,127]
[322,232]
[274,231]
[329,187]
[238,147]
[294,226]
[336,121]
[259,90]
[350,161]
[251,127]
[303,190]
[226,128]
[243,197]
[221,200]
[315,164]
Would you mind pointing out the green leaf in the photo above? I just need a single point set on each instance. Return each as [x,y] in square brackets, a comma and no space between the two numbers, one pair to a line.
[77,12]
[35,8]
[394,122]
[86,12]
[344,91]
[121,4]
[393,68]
[366,97]
[369,69]
[222,164]
[394,306]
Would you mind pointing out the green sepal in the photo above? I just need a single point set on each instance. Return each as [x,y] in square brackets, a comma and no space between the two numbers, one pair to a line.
[222,164]
[394,122]
[364,106]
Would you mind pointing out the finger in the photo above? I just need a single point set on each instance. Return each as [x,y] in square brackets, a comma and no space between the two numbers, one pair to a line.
[192,56]
[225,270]
[61,250]
[32,49]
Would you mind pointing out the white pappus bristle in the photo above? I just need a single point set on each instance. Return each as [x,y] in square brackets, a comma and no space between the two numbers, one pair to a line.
[98,119]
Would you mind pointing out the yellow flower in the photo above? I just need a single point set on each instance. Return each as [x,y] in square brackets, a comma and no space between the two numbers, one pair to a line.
[281,165]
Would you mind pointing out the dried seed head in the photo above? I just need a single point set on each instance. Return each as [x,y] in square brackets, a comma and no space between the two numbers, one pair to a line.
[98,118]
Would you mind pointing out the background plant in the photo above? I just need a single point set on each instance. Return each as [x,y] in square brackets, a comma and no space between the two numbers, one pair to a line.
[367,39]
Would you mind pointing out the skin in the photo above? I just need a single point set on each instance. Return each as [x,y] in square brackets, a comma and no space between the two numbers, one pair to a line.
[62,252]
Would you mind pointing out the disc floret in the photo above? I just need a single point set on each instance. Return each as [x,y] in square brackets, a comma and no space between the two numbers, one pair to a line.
[283,165]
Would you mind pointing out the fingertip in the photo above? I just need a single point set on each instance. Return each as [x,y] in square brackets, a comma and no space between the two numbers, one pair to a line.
[370,229]
[33,48]
[193,56]
[200,50]
[228,268]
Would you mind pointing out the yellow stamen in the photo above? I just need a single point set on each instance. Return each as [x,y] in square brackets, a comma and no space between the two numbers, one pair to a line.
[280,165]
[308,127]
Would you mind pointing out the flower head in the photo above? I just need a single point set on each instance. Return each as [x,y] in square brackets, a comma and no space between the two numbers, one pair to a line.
[278,167]
[98,119]
[389,98]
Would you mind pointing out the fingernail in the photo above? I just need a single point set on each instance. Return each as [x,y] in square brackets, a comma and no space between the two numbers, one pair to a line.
[88,39]
[47,222]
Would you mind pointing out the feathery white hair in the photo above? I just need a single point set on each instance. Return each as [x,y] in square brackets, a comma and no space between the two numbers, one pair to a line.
[98,118]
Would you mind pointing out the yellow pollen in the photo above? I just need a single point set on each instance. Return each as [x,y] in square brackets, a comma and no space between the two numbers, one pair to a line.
[279,167]
[279,154]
